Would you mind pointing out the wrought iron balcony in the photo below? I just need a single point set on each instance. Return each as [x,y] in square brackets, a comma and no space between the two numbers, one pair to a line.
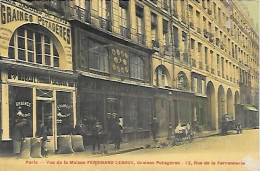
[198,30]
[105,23]
[140,38]
[82,14]
[200,65]
[193,63]
[155,43]
[124,32]
[212,71]
[207,68]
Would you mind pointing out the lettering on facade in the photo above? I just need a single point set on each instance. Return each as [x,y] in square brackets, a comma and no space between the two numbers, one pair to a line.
[40,78]
[13,13]
[23,106]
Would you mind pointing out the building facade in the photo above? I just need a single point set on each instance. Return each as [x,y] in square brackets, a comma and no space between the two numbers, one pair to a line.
[179,60]
[37,80]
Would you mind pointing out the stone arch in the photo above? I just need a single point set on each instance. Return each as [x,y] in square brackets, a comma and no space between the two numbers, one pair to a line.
[162,76]
[230,102]
[211,115]
[221,103]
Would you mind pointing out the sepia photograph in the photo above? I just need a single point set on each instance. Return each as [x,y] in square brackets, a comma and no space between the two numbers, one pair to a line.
[107,85]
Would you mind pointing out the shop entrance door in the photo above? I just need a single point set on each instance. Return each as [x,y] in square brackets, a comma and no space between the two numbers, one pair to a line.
[45,115]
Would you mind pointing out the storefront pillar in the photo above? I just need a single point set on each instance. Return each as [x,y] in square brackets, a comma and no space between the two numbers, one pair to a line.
[55,120]
[34,112]
[74,108]
[5,106]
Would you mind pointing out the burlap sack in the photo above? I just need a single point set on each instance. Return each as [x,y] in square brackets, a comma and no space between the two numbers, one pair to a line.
[36,147]
[64,144]
[26,148]
[77,143]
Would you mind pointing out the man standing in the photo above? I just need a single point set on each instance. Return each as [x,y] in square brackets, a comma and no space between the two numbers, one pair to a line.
[117,134]
[154,128]
[96,135]
[18,136]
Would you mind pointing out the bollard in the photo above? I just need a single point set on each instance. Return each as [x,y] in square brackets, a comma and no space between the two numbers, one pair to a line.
[169,132]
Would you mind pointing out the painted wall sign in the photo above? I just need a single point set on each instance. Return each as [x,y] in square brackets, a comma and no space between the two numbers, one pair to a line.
[15,14]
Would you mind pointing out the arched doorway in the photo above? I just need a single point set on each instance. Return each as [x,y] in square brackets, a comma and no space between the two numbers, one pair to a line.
[237,102]
[230,102]
[211,116]
[221,103]
[162,76]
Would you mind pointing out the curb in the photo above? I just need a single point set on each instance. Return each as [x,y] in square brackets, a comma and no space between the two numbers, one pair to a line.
[125,151]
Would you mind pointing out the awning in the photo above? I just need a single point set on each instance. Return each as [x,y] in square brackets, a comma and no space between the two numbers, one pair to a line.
[250,107]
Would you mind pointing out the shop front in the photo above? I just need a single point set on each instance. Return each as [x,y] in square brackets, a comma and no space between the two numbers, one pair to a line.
[37,81]
[108,101]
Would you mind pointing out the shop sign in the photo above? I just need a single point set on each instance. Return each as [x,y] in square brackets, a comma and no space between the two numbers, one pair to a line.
[14,14]
[23,106]
[39,78]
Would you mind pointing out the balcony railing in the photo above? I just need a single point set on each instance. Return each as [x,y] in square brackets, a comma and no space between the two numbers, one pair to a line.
[206,34]
[212,71]
[200,65]
[207,68]
[82,14]
[191,25]
[140,38]
[198,30]
[155,43]
[193,63]
[124,32]
[105,23]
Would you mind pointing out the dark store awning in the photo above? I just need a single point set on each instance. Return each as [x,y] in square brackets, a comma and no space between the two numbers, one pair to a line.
[250,107]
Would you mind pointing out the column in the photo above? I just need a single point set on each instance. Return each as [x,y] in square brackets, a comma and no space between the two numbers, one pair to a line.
[5,106]
[34,102]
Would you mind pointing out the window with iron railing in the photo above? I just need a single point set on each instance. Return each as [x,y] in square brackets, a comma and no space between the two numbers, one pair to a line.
[165,35]
[104,14]
[140,24]
[154,30]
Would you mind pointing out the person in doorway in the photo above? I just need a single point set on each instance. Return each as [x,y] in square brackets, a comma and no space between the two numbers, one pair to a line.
[43,133]
[97,130]
[18,135]
[81,129]
[117,137]
[154,128]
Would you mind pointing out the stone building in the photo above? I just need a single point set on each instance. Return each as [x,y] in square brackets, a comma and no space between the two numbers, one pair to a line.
[179,60]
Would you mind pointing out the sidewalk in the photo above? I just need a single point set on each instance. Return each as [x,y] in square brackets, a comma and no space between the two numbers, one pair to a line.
[129,146]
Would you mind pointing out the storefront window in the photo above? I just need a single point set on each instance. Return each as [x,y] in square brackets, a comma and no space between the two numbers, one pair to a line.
[64,113]
[20,106]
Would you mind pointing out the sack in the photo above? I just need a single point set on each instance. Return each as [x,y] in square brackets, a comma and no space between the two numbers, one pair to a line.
[36,148]
[77,143]
[64,144]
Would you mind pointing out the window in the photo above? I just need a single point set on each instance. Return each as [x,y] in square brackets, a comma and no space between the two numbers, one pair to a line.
[104,14]
[206,55]
[140,24]
[123,18]
[154,31]
[98,56]
[161,77]
[165,35]
[137,67]
[31,46]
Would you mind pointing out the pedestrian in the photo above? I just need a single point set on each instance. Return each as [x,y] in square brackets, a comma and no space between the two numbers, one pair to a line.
[154,128]
[43,133]
[97,130]
[117,137]
[81,129]
[18,135]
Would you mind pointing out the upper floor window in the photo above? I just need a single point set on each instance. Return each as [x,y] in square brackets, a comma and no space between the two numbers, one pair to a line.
[137,67]
[33,46]
[165,35]
[98,56]
[140,24]
[154,31]
[123,18]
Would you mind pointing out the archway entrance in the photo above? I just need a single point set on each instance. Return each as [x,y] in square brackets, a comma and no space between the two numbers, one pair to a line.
[221,103]
[211,115]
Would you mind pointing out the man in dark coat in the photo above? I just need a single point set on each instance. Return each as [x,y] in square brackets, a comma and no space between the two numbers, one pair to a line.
[43,133]
[18,135]
[97,130]
[117,137]
[81,129]
[154,128]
